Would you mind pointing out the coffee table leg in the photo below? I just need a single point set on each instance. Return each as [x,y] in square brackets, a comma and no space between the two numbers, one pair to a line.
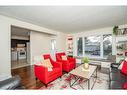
[88,83]
[74,81]
[96,73]
[95,78]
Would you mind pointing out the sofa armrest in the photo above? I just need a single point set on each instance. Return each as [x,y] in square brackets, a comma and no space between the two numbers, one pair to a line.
[40,69]
[11,83]
[65,63]
[40,72]
[71,58]
[115,65]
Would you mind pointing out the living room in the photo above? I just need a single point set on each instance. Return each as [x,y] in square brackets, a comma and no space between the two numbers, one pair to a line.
[85,49]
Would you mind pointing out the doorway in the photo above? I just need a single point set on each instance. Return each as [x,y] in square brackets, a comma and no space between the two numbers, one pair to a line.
[20,47]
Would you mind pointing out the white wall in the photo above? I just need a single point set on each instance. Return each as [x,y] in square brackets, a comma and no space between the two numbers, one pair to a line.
[41,43]
[5,24]
[5,65]
[61,42]
[101,31]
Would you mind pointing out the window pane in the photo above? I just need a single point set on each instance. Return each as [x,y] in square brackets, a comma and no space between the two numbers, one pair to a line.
[92,45]
[53,44]
[79,47]
[107,45]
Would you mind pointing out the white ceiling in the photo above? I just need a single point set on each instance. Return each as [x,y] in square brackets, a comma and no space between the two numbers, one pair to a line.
[69,19]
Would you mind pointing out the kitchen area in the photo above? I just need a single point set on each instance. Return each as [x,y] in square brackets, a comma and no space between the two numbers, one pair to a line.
[20,47]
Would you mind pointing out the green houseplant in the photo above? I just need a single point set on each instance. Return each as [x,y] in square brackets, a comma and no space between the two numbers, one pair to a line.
[86,62]
[115,30]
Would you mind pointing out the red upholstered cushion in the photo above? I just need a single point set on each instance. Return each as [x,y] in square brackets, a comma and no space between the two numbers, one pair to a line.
[124,68]
[55,71]
[125,85]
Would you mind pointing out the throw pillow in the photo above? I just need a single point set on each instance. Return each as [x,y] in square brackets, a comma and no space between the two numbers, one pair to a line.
[47,63]
[49,69]
[64,57]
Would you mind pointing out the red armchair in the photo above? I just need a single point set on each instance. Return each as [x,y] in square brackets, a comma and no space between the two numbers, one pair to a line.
[68,64]
[46,76]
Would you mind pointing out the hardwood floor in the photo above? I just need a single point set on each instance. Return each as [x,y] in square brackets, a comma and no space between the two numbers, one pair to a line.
[19,63]
[27,77]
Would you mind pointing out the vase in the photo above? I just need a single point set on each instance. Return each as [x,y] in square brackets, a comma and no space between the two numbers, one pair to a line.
[86,66]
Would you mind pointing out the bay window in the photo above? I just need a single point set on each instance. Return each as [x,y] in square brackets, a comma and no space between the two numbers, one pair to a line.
[95,46]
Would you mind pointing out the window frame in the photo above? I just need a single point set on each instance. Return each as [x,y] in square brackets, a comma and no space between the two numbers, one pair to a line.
[101,45]
[111,44]
[53,48]
[77,47]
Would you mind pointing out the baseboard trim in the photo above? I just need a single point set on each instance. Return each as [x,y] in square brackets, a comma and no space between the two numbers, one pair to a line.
[20,66]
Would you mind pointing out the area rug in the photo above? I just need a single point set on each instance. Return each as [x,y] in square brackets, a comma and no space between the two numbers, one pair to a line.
[102,82]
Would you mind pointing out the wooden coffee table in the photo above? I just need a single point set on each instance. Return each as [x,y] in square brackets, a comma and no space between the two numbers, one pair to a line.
[86,74]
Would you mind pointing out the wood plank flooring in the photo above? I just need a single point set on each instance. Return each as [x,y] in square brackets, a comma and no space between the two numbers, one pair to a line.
[27,77]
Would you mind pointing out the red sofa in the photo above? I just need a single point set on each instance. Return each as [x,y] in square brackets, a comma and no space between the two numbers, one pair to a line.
[46,76]
[68,64]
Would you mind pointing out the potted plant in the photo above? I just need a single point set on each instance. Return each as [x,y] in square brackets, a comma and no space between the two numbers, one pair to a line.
[115,30]
[86,62]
